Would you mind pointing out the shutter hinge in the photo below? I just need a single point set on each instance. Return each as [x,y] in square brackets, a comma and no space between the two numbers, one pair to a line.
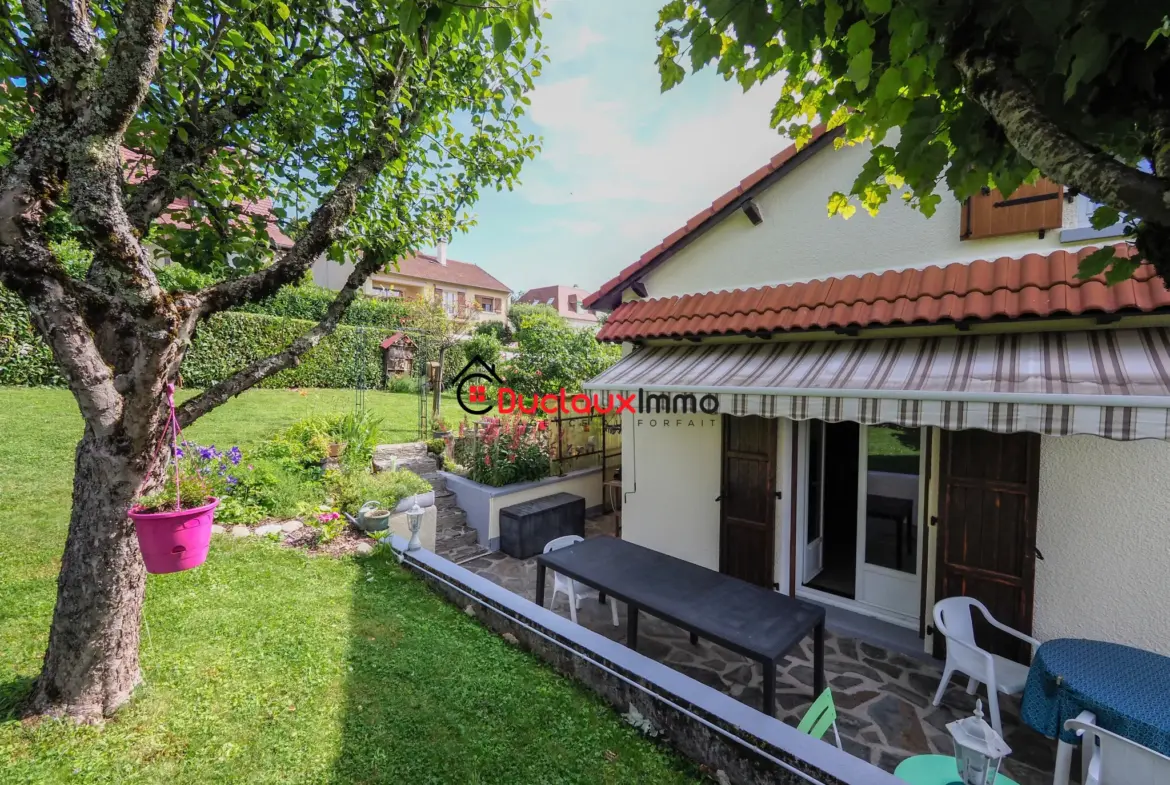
[1027,200]
[934,520]
[779,494]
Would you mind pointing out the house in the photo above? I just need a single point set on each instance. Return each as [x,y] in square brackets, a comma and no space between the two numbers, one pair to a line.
[880,412]
[140,167]
[464,289]
[568,300]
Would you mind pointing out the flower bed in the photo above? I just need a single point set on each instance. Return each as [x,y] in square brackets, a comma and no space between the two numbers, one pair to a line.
[501,451]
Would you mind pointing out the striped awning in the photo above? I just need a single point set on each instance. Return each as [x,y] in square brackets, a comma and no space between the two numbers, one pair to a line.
[1111,383]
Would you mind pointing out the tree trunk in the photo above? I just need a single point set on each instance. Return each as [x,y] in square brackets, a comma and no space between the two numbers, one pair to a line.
[91,665]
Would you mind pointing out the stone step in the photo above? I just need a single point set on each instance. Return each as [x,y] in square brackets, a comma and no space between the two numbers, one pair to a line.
[465,553]
[437,481]
[450,517]
[454,539]
[412,456]
[445,500]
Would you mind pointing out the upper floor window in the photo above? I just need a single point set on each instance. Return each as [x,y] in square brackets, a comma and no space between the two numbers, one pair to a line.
[486,304]
[1081,228]
[450,302]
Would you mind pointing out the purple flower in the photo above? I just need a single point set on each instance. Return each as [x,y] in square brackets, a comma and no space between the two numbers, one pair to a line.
[231,480]
[179,451]
[235,456]
[207,453]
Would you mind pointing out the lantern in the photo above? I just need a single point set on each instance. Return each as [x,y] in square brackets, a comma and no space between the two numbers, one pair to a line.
[979,750]
[414,518]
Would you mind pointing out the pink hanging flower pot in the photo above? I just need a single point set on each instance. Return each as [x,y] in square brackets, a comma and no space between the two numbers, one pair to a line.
[174,540]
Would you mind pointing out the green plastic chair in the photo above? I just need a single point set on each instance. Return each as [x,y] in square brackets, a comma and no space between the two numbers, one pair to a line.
[819,717]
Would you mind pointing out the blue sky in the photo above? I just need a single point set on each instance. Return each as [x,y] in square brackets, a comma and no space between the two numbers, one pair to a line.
[623,165]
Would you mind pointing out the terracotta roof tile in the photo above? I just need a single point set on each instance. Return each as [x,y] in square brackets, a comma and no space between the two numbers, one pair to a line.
[1033,286]
[427,268]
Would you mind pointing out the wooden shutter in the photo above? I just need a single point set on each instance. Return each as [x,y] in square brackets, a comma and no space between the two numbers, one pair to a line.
[988,488]
[438,294]
[1032,208]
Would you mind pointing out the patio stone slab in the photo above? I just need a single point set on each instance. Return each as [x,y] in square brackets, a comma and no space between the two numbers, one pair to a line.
[883,698]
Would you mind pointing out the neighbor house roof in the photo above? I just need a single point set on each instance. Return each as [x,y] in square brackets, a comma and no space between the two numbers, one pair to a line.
[561,298]
[1034,285]
[456,273]
[609,295]
[139,167]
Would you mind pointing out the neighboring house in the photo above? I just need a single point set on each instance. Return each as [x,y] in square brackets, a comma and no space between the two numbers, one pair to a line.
[464,289]
[896,409]
[140,167]
[568,300]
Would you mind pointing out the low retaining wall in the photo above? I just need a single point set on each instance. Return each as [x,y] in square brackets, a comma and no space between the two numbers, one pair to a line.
[483,503]
[703,724]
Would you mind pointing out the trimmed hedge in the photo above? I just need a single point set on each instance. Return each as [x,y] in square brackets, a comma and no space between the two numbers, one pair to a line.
[310,302]
[223,345]
[24,358]
[229,341]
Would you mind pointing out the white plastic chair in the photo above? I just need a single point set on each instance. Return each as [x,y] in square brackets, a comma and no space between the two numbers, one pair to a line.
[952,618]
[1109,759]
[571,588]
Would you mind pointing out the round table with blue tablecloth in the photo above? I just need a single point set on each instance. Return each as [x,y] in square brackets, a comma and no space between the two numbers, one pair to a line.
[1126,688]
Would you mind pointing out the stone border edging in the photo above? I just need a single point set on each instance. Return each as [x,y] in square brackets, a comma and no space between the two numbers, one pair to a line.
[703,724]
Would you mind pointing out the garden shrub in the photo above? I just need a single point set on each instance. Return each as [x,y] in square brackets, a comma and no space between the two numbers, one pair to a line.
[551,354]
[501,331]
[484,347]
[349,490]
[24,358]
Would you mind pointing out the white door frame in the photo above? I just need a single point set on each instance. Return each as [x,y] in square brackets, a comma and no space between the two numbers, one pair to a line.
[859,603]
[893,591]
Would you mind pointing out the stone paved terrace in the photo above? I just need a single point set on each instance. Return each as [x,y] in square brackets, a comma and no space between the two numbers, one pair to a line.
[883,698]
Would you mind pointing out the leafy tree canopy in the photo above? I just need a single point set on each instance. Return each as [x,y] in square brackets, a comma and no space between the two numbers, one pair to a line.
[960,95]
[259,99]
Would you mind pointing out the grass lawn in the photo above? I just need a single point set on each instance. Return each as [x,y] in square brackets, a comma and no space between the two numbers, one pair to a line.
[268,665]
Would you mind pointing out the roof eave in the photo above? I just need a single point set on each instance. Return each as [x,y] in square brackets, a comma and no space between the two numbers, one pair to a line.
[609,300]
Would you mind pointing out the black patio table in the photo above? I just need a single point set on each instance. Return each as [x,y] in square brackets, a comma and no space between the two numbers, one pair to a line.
[753,621]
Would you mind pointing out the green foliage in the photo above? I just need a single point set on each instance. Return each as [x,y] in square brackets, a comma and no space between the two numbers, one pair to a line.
[914,78]
[518,312]
[310,302]
[403,384]
[436,446]
[230,341]
[504,451]
[349,490]
[311,92]
[24,358]
[486,348]
[192,493]
[359,432]
[552,354]
[501,331]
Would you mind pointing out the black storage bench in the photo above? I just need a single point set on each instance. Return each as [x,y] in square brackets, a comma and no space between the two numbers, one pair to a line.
[527,527]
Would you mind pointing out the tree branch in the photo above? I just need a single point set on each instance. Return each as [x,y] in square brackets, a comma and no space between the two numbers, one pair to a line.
[261,369]
[127,76]
[328,219]
[1055,152]
[31,271]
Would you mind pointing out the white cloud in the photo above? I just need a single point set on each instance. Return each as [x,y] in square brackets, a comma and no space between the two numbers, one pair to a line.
[575,44]
[599,149]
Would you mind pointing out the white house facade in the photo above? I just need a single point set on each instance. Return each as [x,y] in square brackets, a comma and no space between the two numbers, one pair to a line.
[879,412]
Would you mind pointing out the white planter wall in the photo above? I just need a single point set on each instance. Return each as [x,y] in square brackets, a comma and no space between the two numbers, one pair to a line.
[483,503]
